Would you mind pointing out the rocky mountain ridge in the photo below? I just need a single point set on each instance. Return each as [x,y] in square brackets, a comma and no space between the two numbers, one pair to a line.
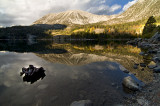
[142,9]
[72,17]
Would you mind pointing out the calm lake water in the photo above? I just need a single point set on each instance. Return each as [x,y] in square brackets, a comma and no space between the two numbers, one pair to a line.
[74,71]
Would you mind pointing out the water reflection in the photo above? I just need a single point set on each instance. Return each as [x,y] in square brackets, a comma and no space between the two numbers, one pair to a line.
[84,52]
[82,71]
[21,46]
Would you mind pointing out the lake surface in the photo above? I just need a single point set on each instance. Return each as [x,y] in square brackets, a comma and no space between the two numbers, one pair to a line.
[74,71]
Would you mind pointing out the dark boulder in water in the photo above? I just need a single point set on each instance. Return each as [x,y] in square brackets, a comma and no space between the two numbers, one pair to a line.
[32,74]
[31,70]
[142,64]
[157,69]
[135,66]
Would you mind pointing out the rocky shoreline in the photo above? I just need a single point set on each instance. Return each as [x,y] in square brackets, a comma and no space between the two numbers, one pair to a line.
[150,94]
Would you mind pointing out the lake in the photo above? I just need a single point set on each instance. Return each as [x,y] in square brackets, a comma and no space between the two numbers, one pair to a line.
[75,70]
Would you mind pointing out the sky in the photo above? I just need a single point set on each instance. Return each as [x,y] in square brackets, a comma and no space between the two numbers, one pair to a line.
[25,12]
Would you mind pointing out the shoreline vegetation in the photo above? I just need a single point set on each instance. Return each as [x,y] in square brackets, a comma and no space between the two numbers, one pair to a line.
[97,31]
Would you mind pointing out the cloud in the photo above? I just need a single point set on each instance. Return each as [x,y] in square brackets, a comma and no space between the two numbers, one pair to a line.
[6,19]
[115,7]
[104,9]
[129,4]
[27,11]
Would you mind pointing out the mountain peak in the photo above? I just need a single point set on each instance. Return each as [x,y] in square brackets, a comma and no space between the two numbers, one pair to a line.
[72,17]
[142,9]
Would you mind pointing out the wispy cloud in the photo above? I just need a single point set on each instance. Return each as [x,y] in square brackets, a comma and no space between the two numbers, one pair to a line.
[115,7]
[104,9]
[27,11]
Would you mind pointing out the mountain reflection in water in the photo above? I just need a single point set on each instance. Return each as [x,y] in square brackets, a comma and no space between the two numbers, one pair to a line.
[74,71]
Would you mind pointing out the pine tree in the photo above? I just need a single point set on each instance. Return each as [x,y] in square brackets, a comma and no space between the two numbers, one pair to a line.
[150,25]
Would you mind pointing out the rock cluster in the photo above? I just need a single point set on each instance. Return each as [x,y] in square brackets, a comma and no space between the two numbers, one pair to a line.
[152,46]
[150,94]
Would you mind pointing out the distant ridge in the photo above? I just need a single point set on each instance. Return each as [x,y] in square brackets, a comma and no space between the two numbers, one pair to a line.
[72,17]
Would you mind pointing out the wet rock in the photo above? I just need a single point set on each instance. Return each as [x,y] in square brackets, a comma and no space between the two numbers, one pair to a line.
[150,90]
[156,59]
[142,64]
[135,66]
[141,53]
[82,103]
[155,38]
[142,69]
[123,69]
[144,44]
[130,83]
[157,69]
[139,39]
[142,102]
[126,71]
[152,66]
[152,51]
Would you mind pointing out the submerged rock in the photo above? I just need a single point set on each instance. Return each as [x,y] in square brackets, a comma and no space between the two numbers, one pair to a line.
[141,53]
[156,59]
[142,64]
[152,65]
[82,103]
[123,69]
[130,83]
[157,69]
[152,51]
[143,102]
[135,66]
